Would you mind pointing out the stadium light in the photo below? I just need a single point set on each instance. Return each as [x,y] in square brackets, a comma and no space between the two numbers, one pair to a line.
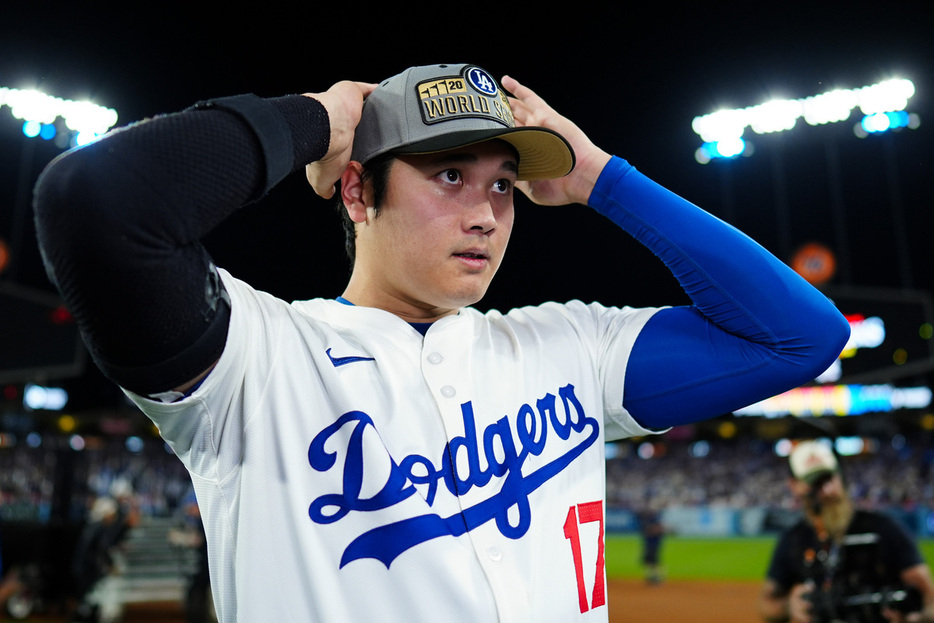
[40,112]
[882,105]
[37,397]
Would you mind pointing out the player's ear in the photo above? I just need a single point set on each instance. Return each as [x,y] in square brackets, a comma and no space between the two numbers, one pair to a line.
[354,192]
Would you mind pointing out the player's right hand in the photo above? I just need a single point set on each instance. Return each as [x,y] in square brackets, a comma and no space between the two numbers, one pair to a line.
[344,104]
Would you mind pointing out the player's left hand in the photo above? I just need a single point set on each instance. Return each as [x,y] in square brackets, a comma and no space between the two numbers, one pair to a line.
[531,110]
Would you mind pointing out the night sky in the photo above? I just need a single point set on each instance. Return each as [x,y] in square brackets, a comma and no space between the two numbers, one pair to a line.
[632,83]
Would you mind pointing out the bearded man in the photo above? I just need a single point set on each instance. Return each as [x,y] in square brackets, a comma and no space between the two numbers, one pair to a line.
[840,563]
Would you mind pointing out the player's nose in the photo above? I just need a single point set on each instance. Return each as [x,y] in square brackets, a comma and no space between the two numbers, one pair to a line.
[480,216]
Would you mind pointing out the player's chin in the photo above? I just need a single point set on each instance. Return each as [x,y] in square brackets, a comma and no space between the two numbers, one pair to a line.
[464,292]
[458,286]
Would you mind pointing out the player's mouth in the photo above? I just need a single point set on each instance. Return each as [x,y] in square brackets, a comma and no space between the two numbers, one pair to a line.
[473,258]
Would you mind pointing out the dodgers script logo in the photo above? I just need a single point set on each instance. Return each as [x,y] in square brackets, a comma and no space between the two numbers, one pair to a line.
[553,418]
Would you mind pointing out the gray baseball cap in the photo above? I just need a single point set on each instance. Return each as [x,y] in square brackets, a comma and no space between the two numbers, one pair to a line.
[435,108]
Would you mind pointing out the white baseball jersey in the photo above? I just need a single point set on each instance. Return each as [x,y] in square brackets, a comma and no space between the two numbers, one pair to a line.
[349,468]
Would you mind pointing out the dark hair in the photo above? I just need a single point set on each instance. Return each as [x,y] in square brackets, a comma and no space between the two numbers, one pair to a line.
[376,172]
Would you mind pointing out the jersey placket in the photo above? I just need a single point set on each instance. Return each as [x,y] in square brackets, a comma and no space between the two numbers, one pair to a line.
[446,358]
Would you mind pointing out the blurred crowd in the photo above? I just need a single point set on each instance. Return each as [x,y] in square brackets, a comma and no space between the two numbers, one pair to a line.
[56,479]
[740,473]
[749,473]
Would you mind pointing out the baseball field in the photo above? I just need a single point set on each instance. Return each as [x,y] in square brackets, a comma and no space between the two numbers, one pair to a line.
[707,580]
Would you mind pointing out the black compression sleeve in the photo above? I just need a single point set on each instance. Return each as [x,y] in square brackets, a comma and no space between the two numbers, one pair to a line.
[119,224]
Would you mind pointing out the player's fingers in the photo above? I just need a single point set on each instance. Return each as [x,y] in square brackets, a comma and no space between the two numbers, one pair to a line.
[528,108]
[519,90]
[529,98]
[323,176]
[366,88]
[525,187]
[519,112]
[526,115]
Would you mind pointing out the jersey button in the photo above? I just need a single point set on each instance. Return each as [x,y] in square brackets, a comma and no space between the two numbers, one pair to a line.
[448,392]
[495,553]
[435,358]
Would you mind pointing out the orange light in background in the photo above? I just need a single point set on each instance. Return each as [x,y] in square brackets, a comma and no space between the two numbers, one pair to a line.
[815,262]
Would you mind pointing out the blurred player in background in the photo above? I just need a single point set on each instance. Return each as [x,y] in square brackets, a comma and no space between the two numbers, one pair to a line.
[653,530]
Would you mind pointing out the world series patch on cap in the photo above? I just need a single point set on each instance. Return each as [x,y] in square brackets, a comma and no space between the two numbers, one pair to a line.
[434,108]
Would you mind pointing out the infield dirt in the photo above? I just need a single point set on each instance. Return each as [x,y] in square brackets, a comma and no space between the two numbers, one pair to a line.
[635,601]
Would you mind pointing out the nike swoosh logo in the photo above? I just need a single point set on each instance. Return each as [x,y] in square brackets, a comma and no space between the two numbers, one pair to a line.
[343,361]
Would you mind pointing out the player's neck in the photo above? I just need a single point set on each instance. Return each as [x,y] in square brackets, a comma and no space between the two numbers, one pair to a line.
[412,311]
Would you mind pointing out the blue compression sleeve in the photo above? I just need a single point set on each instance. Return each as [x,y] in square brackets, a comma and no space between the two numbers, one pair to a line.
[755,329]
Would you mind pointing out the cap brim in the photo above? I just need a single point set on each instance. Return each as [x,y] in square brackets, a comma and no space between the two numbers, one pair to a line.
[816,476]
[543,153]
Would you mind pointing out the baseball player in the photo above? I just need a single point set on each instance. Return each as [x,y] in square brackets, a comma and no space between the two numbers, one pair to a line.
[394,454]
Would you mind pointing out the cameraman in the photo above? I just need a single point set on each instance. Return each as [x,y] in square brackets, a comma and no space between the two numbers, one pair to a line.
[839,563]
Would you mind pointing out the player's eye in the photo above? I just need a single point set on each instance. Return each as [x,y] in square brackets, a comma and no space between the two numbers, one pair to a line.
[503,186]
[450,176]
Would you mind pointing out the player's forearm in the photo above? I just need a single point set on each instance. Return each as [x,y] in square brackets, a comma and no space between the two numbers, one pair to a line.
[756,328]
[733,280]
[171,179]
[119,224]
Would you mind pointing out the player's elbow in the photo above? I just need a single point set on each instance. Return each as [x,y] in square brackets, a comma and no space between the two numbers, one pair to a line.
[76,209]
[826,335]
[811,338]
[71,190]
